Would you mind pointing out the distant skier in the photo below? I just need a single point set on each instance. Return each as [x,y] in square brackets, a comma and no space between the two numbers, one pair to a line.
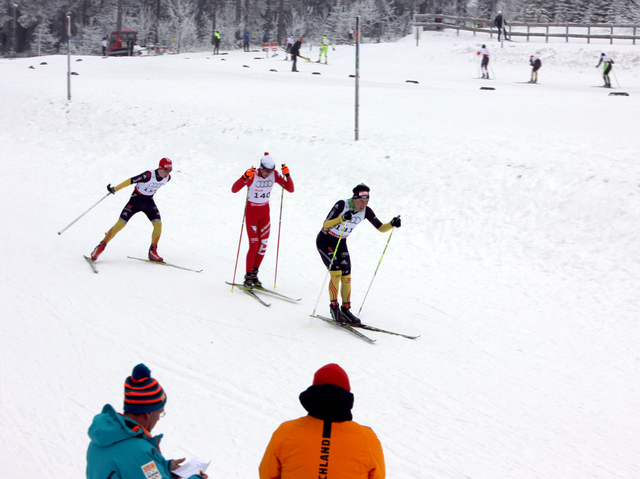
[324,48]
[245,41]
[332,246]
[104,46]
[535,63]
[216,43]
[350,36]
[500,24]
[295,53]
[257,211]
[289,45]
[147,184]
[608,65]
[485,61]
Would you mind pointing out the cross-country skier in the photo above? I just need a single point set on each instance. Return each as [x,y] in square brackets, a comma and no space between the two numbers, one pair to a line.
[257,211]
[324,48]
[535,63]
[295,53]
[290,42]
[608,65]
[485,61]
[332,246]
[147,184]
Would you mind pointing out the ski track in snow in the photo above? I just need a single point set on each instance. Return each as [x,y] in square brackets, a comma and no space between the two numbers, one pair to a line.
[517,261]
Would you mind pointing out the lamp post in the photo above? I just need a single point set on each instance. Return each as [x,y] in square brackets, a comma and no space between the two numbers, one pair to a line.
[15,35]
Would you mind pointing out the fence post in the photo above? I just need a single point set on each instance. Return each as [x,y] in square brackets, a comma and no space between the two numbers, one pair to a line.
[589,33]
[547,37]
[567,34]
[528,31]
[611,34]
[634,35]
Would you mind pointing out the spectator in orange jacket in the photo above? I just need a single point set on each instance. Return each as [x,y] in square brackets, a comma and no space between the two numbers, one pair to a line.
[326,443]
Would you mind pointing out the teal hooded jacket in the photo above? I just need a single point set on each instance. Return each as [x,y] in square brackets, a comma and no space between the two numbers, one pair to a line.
[121,449]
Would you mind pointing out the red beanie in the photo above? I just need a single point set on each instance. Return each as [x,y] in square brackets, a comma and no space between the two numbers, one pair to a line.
[332,374]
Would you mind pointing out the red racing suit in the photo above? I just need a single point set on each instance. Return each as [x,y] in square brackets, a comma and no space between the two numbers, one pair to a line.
[257,213]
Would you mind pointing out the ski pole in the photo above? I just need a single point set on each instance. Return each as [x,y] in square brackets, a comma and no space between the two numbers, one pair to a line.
[614,76]
[244,214]
[376,272]
[329,269]
[73,222]
[278,246]
[494,75]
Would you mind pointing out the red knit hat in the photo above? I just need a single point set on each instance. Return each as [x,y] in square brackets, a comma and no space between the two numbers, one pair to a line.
[332,374]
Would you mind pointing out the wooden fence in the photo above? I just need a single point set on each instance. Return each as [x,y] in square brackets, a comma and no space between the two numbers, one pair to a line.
[527,30]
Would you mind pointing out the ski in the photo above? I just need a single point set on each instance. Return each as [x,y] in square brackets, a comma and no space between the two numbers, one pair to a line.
[251,293]
[378,330]
[91,263]
[346,327]
[268,291]
[166,264]
[529,82]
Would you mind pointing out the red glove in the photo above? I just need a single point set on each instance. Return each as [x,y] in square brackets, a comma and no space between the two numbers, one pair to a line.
[285,171]
[249,174]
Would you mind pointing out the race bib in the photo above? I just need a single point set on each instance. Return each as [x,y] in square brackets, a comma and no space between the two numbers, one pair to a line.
[151,471]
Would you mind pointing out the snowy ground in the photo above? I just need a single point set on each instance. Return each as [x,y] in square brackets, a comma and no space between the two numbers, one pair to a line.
[517,261]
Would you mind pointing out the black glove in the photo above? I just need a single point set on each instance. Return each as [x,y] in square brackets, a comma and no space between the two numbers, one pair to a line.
[396,222]
[111,189]
[347,216]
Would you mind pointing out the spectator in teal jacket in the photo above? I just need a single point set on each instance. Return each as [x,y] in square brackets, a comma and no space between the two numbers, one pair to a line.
[122,446]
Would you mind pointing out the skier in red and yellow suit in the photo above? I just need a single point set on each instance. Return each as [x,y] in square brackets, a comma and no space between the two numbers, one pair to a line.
[326,443]
[257,213]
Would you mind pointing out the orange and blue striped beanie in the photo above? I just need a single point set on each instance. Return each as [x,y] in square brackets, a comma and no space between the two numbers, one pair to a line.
[142,393]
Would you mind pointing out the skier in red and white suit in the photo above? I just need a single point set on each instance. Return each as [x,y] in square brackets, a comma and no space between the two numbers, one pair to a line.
[257,212]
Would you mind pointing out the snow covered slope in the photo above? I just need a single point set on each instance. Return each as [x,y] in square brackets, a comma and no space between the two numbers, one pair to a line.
[517,261]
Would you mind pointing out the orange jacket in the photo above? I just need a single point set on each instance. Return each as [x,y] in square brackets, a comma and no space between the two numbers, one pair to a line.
[298,450]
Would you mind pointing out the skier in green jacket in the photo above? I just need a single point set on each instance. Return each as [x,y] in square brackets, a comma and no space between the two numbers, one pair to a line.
[324,48]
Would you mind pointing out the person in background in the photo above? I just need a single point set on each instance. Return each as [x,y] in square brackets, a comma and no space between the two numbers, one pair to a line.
[485,61]
[265,38]
[257,211]
[121,444]
[324,48]
[245,41]
[350,36]
[327,442]
[147,184]
[331,243]
[104,46]
[295,53]
[608,65]
[535,63]
[289,45]
[438,19]
[216,43]
[500,24]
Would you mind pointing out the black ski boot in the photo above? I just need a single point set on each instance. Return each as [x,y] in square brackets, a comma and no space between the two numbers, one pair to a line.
[248,280]
[349,317]
[254,276]
[336,315]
